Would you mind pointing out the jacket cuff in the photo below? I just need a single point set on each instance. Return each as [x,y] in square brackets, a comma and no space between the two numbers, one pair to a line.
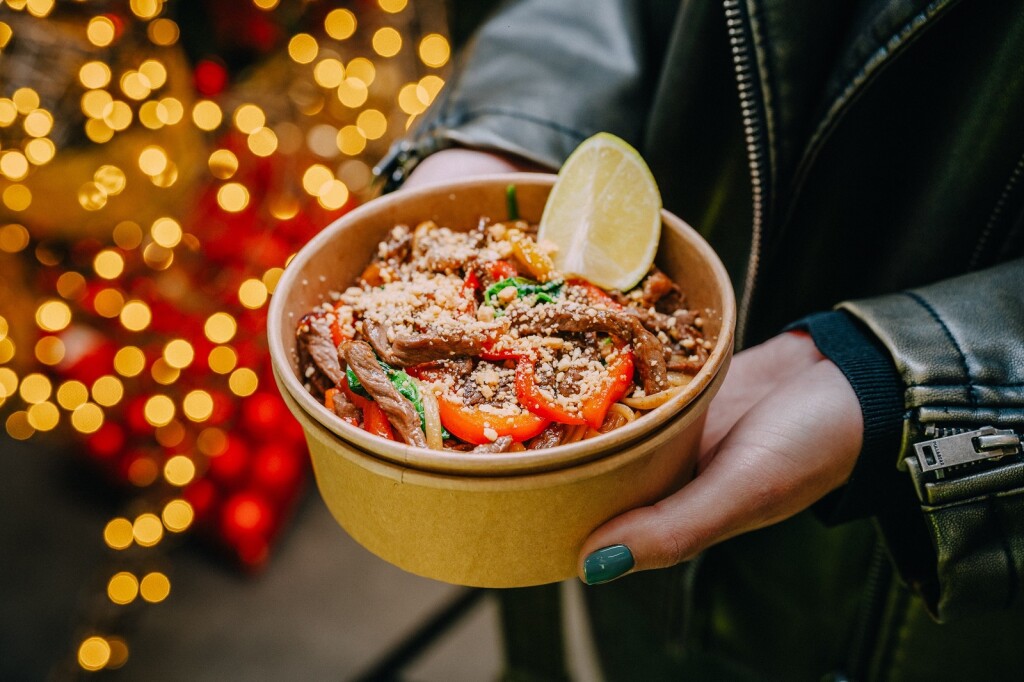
[869,368]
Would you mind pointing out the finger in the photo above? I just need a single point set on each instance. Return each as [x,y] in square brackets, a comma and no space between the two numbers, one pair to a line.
[664,534]
[774,463]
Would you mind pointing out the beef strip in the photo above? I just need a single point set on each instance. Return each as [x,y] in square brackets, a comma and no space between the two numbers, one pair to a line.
[656,286]
[548,438]
[678,325]
[397,245]
[575,318]
[416,349]
[344,408]
[689,362]
[502,444]
[316,345]
[401,413]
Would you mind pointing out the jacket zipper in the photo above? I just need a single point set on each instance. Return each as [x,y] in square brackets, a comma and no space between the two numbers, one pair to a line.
[998,213]
[755,133]
[872,613]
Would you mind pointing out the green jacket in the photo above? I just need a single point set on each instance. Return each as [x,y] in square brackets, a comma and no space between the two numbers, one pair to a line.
[863,154]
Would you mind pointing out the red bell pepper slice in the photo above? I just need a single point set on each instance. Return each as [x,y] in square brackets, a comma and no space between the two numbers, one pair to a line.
[617,380]
[595,294]
[532,397]
[501,269]
[470,285]
[337,333]
[374,419]
[469,423]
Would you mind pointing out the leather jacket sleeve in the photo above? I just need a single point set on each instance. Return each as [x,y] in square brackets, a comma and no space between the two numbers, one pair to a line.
[499,97]
[959,348]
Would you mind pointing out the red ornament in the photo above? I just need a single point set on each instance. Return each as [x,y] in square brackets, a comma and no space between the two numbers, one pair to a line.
[201,494]
[210,77]
[228,467]
[246,515]
[277,469]
[263,413]
[107,441]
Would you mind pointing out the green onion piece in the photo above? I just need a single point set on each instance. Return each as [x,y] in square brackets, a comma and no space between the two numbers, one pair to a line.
[355,384]
[512,202]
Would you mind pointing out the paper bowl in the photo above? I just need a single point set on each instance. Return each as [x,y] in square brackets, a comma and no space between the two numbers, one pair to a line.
[497,520]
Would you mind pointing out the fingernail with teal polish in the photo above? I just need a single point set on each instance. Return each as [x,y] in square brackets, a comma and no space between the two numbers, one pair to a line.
[607,563]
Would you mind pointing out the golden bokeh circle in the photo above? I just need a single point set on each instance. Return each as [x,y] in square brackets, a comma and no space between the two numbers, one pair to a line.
[220,327]
[177,516]
[87,418]
[122,588]
[71,394]
[155,587]
[387,41]
[159,410]
[147,529]
[107,390]
[129,361]
[179,470]
[108,264]
[118,533]
[340,24]
[93,653]
[198,406]
[222,359]
[243,382]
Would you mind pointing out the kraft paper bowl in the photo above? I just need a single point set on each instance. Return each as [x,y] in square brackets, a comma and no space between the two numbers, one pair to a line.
[497,520]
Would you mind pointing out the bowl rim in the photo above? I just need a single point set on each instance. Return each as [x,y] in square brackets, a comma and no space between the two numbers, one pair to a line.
[490,464]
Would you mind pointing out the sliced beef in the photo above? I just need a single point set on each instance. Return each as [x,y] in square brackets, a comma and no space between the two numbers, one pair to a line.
[397,245]
[678,325]
[576,318]
[344,408]
[548,438]
[689,362]
[416,349]
[401,413]
[316,346]
[502,444]
[656,286]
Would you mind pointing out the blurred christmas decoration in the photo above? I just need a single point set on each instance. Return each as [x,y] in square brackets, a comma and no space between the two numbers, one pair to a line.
[159,164]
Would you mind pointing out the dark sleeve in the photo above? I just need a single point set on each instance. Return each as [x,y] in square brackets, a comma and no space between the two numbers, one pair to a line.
[869,368]
[538,78]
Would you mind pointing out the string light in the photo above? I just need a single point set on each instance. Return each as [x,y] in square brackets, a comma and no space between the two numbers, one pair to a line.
[154,397]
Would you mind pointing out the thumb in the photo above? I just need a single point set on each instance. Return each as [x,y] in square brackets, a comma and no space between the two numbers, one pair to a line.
[666,533]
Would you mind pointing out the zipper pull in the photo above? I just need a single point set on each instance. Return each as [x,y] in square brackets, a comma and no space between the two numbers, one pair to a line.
[969,447]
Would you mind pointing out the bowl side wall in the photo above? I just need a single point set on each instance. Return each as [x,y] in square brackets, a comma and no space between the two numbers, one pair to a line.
[513,531]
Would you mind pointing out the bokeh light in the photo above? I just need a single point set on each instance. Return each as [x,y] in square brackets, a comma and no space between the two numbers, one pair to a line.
[155,587]
[118,533]
[147,529]
[122,588]
[141,276]
[93,653]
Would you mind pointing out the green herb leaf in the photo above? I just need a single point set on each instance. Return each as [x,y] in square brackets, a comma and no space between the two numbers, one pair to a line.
[544,293]
[355,384]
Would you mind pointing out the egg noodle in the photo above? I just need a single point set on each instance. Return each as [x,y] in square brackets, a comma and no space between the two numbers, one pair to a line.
[472,341]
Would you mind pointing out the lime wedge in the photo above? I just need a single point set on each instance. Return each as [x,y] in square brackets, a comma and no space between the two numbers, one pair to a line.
[604,214]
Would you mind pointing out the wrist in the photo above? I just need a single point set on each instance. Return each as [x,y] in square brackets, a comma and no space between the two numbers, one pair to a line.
[457,162]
